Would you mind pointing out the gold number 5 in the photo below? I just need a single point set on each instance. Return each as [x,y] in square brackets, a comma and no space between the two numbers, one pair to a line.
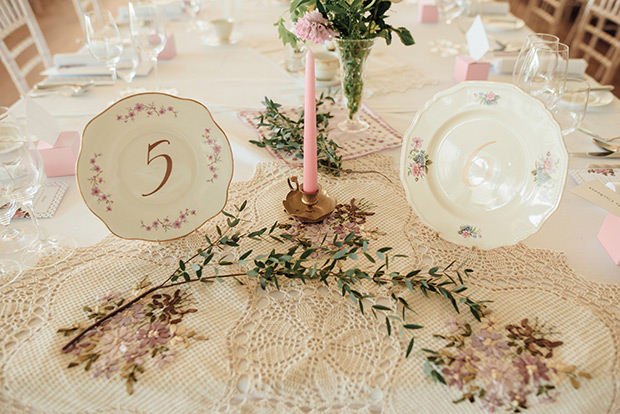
[168,164]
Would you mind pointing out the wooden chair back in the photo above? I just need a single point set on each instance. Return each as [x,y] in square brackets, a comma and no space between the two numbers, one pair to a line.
[22,46]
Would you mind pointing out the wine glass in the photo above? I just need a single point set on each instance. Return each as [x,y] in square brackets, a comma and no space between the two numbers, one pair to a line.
[449,10]
[148,31]
[527,46]
[12,240]
[192,8]
[543,73]
[21,176]
[104,40]
[572,106]
[127,68]
[9,268]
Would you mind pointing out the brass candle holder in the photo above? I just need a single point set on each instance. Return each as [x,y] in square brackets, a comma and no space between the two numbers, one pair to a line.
[308,207]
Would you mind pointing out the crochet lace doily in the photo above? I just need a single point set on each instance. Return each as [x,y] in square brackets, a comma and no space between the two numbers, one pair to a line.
[305,348]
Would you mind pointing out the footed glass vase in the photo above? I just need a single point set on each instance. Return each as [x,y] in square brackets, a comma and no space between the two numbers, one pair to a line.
[353,55]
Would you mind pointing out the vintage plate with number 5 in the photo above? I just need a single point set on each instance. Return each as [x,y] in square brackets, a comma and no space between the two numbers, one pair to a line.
[154,167]
[484,164]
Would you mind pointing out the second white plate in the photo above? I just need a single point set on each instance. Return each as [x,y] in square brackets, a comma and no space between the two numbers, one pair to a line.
[484,164]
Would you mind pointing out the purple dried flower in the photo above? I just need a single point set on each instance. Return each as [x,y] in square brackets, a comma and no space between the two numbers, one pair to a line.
[490,343]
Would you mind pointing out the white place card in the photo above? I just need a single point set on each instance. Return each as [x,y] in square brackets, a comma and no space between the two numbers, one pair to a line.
[477,40]
[599,194]
[41,123]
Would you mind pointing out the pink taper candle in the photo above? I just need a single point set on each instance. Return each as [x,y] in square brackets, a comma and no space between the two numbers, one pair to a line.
[310,167]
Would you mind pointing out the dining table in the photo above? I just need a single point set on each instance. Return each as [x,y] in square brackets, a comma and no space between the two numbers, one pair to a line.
[304,346]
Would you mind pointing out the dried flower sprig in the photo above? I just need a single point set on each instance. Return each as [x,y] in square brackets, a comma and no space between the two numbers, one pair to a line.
[270,269]
[500,369]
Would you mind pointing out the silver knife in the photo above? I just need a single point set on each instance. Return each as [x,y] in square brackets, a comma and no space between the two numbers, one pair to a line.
[597,154]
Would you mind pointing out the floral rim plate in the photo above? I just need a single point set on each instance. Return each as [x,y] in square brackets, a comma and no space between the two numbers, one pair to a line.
[484,164]
[502,23]
[154,167]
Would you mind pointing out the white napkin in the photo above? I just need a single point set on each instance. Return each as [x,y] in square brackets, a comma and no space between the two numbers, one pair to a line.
[75,59]
[171,11]
[506,64]
[489,7]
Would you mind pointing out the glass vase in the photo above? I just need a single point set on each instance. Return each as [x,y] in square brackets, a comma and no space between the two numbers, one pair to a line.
[353,55]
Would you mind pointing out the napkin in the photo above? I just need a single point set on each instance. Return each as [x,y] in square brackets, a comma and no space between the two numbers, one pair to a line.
[75,59]
[489,7]
[171,11]
[505,64]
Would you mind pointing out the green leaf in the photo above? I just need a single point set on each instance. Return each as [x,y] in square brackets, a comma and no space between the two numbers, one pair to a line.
[388,325]
[409,347]
[381,307]
[340,254]
[411,326]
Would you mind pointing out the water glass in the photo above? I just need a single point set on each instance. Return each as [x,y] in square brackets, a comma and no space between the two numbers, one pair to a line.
[21,176]
[127,68]
[527,46]
[543,73]
[571,109]
[192,8]
[104,40]
[148,31]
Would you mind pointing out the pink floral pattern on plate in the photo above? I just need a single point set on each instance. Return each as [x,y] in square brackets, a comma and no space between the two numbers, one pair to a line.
[149,110]
[489,98]
[212,159]
[468,231]
[96,181]
[166,223]
[545,168]
[419,160]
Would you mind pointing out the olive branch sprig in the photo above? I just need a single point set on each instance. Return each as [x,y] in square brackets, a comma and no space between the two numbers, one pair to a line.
[297,263]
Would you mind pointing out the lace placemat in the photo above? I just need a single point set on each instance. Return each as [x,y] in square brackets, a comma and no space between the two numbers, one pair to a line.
[304,348]
[378,137]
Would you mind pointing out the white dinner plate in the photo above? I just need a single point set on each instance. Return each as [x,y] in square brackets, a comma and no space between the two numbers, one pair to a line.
[154,167]
[502,23]
[600,98]
[484,164]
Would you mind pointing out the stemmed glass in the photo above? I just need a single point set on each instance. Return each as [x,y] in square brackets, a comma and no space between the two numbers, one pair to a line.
[571,109]
[127,68]
[192,8]
[449,10]
[104,40]
[21,176]
[148,31]
[12,240]
[543,72]
[527,46]
[9,268]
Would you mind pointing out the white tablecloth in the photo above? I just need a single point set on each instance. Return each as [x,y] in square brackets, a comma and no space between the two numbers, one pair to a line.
[230,78]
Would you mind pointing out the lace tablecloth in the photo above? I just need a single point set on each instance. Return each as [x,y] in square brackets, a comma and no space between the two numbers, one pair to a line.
[305,348]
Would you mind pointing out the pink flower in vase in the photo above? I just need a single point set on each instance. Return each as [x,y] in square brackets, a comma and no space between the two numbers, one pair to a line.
[313,26]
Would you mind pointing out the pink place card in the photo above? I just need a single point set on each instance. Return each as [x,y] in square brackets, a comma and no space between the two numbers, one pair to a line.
[170,50]
[60,158]
[427,12]
[467,68]
[609,236]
